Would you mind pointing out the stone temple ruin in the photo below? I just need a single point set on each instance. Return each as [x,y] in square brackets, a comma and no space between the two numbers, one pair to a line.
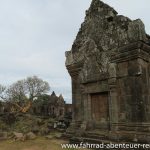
[52,106]
[109,64]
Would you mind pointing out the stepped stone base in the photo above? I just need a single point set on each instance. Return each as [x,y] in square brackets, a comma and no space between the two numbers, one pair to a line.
[97,136]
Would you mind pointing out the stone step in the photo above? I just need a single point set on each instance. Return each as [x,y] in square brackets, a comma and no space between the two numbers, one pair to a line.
[94,136]
[97,134]
[97,141]
[78,140]
[67,135]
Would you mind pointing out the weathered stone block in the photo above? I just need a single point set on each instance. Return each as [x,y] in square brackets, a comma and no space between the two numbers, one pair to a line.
[134,68]
[122,69]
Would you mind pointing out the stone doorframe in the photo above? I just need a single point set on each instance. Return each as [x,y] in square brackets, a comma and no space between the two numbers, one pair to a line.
[93,88]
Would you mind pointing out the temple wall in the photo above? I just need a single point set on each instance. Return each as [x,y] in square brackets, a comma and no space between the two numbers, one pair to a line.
[110,56]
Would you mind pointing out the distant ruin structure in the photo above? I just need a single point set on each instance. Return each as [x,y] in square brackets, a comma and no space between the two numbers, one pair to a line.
[52,106]
[109,65]
[49,105]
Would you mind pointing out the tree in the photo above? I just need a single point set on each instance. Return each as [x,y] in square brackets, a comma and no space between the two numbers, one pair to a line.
[16,96]
[17,91]
[36,87]
[2,92]
[22,93]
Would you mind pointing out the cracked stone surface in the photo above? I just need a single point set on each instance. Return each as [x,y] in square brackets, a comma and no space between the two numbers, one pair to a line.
[109,64]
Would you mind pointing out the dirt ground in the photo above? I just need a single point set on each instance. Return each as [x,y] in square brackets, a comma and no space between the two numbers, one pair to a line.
[37,144]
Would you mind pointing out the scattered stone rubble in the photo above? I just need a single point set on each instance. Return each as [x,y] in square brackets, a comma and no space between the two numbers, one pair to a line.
[48,113]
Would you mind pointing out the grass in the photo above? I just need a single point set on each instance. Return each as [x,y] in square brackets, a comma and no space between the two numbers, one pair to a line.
[38,144]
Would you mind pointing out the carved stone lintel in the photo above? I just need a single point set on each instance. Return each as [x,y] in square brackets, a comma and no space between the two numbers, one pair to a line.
[132,51]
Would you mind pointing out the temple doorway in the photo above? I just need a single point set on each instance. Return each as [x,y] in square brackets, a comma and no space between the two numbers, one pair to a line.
[99,107]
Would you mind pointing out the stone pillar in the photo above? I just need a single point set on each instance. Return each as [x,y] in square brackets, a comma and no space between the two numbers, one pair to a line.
[86,108]
[132,86]
[77,98]
[113,99]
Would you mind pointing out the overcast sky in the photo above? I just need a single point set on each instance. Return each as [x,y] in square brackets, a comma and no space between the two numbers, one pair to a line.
[34,35]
